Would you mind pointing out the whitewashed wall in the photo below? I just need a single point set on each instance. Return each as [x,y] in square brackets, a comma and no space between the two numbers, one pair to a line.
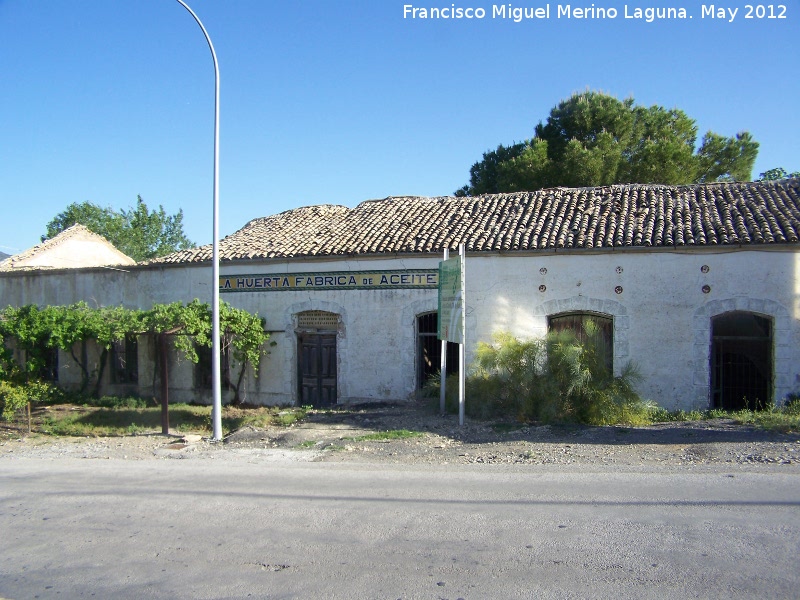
[662,316]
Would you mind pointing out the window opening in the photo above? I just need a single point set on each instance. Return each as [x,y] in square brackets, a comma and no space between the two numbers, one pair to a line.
[49,370]
[203,367]
[576,322]
[125,361]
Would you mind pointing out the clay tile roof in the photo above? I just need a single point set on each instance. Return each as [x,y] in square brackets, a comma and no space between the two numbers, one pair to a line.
[617,216]
[62,252]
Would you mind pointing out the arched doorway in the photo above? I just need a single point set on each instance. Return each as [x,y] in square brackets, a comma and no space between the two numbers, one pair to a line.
[741,361]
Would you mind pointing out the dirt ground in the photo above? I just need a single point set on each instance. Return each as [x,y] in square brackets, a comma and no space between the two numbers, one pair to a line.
[338,436]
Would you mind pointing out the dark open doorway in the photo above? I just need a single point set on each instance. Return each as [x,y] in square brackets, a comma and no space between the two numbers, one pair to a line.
[741,361]
[429,350]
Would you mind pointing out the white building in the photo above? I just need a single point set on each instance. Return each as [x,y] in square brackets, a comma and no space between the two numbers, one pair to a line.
[73,248]
[699,285]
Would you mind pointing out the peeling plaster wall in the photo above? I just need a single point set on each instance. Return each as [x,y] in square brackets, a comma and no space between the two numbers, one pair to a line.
[662,313]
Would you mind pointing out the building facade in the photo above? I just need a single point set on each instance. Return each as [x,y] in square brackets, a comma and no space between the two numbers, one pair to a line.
[698,285]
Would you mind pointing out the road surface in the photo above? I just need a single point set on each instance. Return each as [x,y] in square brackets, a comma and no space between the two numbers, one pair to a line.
[219,528]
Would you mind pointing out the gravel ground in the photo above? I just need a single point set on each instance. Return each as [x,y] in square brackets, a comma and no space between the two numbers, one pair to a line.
[337,436]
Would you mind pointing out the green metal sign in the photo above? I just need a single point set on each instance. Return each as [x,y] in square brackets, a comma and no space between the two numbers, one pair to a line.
[451,303]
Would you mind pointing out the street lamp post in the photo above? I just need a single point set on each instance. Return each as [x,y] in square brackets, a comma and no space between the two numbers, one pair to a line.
[216,384]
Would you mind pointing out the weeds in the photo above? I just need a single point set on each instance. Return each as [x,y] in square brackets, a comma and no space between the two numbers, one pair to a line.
[784,419]
[291,416]
[392,434]
[119,402]
[118,417]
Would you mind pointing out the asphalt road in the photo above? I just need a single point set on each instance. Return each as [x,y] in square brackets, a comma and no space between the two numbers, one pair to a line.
[75,528]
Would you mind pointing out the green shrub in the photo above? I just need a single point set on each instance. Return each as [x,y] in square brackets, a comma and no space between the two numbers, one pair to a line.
[117,402]
[658,414]
[14,396]
[554,379]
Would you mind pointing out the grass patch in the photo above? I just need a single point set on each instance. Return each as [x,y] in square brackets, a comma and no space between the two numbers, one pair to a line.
[784,419]
[120,418]
[120,402]
[392,434]
[102,422]
[290,416]
[773,420]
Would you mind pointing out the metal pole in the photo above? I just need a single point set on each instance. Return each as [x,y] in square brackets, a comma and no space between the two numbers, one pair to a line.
[216,383]
[443,370]
[462,375]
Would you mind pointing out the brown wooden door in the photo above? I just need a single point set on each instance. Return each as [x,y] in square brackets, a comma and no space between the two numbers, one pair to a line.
[317,369]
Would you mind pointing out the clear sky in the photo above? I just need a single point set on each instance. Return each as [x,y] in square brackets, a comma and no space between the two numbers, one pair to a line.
[341,101]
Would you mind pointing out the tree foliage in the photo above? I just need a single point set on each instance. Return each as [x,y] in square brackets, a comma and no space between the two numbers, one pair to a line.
[138,232]
[594,139]
[777,174]
[68,328]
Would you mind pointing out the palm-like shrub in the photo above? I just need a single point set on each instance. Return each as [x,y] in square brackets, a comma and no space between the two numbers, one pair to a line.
[558,378]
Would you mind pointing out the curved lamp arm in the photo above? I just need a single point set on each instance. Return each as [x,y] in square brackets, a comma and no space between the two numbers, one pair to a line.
[216,384]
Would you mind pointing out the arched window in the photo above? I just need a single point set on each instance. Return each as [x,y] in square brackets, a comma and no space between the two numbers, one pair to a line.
[576,322]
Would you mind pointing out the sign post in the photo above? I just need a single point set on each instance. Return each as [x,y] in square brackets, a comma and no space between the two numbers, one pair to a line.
[452,320]
[443,370]
[462,368]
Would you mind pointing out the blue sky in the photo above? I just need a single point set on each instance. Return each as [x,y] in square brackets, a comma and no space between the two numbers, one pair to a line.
[340,101]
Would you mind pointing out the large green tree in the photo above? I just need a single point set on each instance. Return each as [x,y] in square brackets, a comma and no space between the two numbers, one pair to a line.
[138,232]
[777,174]
[595,139]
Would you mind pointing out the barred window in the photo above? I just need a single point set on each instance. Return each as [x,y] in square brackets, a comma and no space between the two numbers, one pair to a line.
[125,360]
